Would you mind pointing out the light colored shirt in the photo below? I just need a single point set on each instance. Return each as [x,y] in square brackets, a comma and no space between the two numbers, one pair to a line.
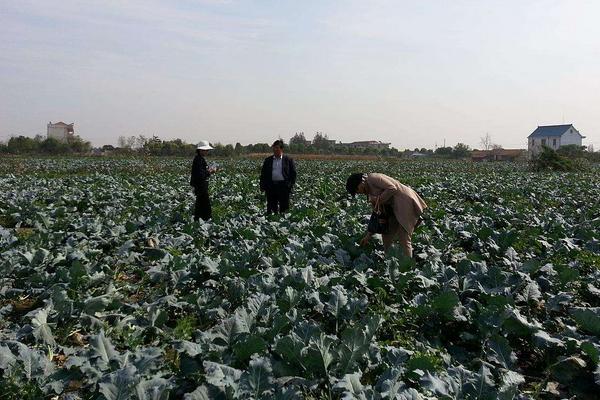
[277,173]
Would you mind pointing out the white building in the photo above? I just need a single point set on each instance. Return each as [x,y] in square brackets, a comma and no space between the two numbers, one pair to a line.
[60,130]
[376,144]
[553,136]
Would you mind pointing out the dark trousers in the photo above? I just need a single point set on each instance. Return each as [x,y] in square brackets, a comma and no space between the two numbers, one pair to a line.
[202,207]
[278,198]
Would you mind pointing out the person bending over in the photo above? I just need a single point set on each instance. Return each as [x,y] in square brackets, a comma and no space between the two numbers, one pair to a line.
[401,201]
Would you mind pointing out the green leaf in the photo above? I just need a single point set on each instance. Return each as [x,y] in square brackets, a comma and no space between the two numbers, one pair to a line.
[390,384]
[259,377]
[61,302]
[119,385]
[353,347]
[222,376]
[7,358]
[544,340]
[40,256]
[567,274]
[41,329]
[517,324]
[435,384]
[189,348]
[290,348]
[531,293]
[337,301]
[587,319]
[155,388]
[351,387]
[209,265]
[229,329]
[592,351]
[97,304]
[500,352]
[444,303]
[201,393]
[568,369]
[510,385]
[319,354]
[103,350]
[248,344]
[485,380]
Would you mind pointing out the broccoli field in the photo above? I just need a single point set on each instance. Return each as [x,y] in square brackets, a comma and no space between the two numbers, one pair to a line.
[108,290]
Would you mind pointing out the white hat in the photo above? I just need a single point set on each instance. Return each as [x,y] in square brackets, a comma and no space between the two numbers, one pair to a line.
[204,145]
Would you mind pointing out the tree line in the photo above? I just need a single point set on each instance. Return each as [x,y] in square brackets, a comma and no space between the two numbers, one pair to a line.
[45,145]
[298,144]
[155,146]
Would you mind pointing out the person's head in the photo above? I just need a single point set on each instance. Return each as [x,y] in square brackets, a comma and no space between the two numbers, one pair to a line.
[356,183]
[203,147]
[277,147]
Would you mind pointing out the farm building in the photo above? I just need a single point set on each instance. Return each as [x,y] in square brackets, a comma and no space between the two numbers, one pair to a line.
[553,136]
[60,130]
[498,155]
[375,144]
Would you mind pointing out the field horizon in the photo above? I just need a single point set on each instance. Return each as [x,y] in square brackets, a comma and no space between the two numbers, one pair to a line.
[110,290]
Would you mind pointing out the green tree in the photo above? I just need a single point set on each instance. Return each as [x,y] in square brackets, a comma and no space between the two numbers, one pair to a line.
[54,146]
[321,141]
[571,151]
[443,151]
[298,139]
[550,160]
[239,149]
[22,145]
[461,150]
[228,150]
[77,145]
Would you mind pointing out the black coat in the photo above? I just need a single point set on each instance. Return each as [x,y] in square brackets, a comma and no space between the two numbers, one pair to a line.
[200,172]
[288,169]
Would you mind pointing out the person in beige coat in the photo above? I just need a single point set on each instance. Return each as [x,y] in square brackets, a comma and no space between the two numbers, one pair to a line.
[406,204]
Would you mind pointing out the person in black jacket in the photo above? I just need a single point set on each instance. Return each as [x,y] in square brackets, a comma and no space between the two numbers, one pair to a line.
[277,179]
[199,180]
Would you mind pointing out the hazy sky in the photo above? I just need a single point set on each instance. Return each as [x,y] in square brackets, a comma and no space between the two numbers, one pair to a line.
[409,72]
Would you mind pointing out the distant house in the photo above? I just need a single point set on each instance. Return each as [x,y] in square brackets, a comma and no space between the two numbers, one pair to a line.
[417,154]
[373,144]
[498,155]
[553,136]
[304,142]
[61,131]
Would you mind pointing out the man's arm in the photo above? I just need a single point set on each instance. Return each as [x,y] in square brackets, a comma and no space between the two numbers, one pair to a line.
[292,172]
[263,176]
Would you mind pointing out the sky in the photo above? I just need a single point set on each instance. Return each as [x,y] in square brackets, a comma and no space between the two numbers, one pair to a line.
[414,73]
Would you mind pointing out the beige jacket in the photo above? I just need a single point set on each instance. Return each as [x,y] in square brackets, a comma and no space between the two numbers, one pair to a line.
[405,202]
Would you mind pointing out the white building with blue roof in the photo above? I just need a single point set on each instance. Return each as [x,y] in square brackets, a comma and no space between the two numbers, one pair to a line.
[553,136]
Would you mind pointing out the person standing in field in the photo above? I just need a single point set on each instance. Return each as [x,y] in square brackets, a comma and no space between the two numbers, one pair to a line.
[199,180]
[404,206]
[277,179]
